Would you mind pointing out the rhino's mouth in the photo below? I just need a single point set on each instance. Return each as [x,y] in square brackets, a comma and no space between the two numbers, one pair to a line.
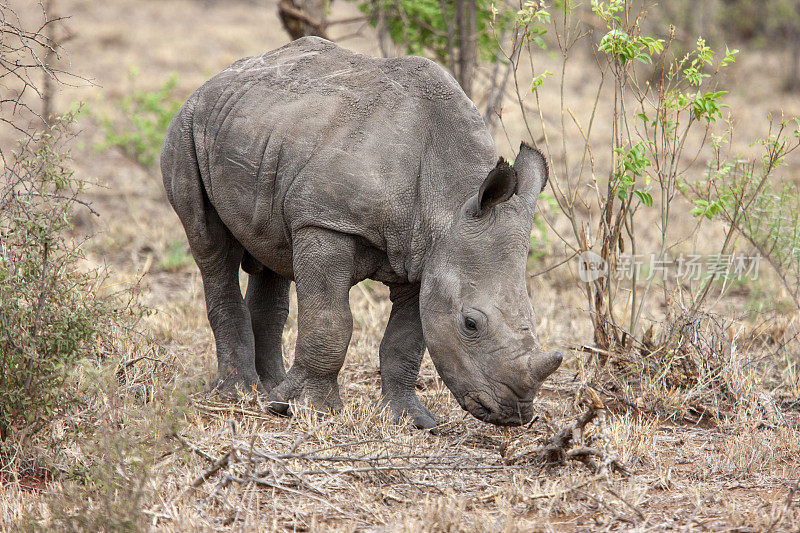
[495,413]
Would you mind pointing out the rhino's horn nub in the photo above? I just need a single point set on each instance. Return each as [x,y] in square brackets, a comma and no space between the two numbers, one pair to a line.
[542,364]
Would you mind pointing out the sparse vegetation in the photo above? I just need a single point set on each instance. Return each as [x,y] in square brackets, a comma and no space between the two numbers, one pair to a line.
[64,324]
[647,156]
[52,315]
[140,122]
[764,212]
[658,347]
[176,256]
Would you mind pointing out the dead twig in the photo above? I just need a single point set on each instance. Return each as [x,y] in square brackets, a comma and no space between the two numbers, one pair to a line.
[559,448]
[218,465]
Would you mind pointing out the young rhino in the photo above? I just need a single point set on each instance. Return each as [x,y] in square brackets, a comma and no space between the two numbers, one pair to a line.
[319,165]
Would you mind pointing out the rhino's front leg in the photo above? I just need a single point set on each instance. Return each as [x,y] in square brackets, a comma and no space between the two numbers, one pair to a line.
[323,267]
[401,354]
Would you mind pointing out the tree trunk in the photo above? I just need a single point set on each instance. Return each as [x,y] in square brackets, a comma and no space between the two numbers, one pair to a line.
[303,17]
[47,85]
[466,23]
[793,80]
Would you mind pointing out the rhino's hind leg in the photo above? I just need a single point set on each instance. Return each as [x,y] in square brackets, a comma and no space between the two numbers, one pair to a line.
[323,266]
[218,255]
[267,299]
[401,354]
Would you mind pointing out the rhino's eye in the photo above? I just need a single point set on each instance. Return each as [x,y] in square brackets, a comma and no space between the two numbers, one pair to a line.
[473,322]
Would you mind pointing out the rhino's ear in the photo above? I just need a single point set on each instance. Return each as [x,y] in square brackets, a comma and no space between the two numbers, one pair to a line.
[531,167]
[499,186]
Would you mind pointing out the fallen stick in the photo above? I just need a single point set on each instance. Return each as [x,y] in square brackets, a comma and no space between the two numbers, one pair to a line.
[219,464]
[556,451]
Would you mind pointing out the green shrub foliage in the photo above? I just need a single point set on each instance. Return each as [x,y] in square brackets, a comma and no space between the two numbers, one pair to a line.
[51,312]
[422,26]
[145,118]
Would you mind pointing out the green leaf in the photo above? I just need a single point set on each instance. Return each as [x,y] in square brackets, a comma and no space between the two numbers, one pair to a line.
[730,56]
[644,197]
[539,80]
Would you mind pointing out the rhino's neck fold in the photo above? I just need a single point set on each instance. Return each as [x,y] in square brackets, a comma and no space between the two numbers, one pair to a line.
[440,194]
[455,156]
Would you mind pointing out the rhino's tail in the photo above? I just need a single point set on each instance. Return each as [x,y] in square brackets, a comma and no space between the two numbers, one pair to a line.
[186,191]
[180,170]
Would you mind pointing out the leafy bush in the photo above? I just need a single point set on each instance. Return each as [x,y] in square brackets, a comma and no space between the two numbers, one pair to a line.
[742,194]
[147,114]
[457,33]
[422,26]
[646,162]
[53,313]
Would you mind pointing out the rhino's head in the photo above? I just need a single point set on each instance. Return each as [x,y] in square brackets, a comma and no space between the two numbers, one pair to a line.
[477,318]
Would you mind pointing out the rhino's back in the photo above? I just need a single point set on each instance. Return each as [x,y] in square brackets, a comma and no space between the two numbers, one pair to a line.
[312,133]
[313,69]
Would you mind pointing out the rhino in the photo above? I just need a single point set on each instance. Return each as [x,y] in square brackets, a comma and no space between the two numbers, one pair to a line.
[318,165]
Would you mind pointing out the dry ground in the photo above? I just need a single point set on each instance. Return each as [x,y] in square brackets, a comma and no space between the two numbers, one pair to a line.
[231,467]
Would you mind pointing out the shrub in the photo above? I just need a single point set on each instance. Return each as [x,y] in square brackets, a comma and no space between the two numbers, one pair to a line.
[608,189]
[454,32]
[743,195]
[422,26]
[53,312]
[147,114]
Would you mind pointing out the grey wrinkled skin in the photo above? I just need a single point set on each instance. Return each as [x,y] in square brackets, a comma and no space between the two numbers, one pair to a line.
[319,165]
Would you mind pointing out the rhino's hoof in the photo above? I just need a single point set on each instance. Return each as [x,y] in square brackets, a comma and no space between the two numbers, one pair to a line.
[420,416]
[279,397]
[321,397]
[424,420]
[233,386]
[279,408]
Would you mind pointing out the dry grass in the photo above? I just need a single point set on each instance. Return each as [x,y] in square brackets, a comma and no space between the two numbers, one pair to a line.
[155,438]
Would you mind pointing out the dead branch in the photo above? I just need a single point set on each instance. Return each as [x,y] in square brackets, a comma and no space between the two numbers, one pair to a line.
[218,465]
[307,464]
[28,59]
[558,448]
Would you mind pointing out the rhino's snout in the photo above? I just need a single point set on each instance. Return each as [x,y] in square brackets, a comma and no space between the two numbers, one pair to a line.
[485,408]
[514,405]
